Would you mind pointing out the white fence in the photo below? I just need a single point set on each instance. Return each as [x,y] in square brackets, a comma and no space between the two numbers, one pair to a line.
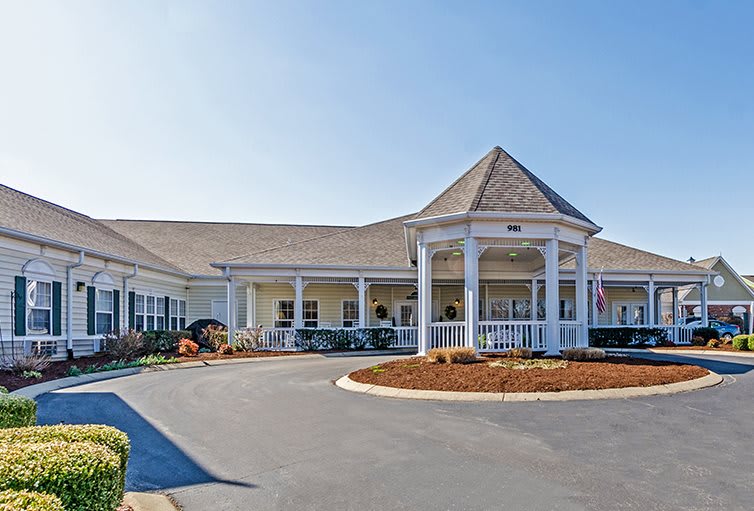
[504,335]
[447,334]
[569,334]
[406,337]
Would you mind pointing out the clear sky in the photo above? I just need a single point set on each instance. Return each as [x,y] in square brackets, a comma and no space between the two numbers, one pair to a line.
[640,113]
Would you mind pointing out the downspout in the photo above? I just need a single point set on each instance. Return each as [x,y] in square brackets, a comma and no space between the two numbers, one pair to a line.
[125,294]
[69,304]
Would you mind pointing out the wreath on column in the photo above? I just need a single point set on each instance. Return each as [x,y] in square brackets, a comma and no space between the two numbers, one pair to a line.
[451,312]
[381,311]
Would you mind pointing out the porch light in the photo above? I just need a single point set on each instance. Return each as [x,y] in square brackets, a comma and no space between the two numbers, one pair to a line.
[80,286]
[512,254]
[457,302]
[375,301]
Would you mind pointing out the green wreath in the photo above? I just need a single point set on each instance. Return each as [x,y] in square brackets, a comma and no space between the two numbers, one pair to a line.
[450,312]
[381,311]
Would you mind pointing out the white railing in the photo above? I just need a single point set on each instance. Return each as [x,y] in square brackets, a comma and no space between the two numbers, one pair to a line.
[448,334]
[279,339]
[504,335]
[406,337]
[569,334]
[679,334]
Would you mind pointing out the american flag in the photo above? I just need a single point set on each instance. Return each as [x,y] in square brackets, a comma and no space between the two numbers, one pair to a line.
[600,295]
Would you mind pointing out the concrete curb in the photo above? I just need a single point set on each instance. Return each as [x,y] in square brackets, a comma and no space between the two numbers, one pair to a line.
[33,391]
[710,380]
[671,351]
[148,502]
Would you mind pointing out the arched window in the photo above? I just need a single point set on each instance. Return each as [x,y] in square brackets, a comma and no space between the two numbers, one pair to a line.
[106,303]
[39,299]
[739,311]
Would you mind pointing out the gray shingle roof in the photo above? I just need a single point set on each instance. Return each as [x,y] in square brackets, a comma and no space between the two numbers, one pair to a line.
[31,215]
[499,184]
[614,256]
[380,244]
[192,246]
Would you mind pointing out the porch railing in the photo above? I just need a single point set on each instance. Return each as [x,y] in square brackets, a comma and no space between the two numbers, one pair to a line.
[504,335]
[569,334]
[406,337]
[447,334]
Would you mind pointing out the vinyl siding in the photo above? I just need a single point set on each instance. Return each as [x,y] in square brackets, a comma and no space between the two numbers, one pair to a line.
[200,298]
[732,290]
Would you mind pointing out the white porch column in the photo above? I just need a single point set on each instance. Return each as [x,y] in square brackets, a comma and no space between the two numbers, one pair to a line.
[298,302]
[751,318]
[424,263]
[232,320]
[651,320]
[552,297]
[581,301]
[251,305]
[595,310]
[471,290]
[533,315]
[675,306]
[362,302]
[703,296]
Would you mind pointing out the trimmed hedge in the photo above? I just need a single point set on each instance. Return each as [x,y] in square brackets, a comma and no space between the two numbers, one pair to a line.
[626,337]
[22,500]
[750,344]
[83,475]
[313,339]
[107,436]
[3,390]
[741,342]
[705,333]
[164,340]
[17,411]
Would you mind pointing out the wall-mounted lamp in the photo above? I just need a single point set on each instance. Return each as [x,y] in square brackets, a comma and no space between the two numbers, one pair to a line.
[457,302]
[80,286]
[374,301]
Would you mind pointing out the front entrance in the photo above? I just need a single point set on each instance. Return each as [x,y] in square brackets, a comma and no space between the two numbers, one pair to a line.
[405,313]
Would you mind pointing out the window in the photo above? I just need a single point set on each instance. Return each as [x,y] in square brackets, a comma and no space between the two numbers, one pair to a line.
[541,310]
[160,314]
[139,313]
[522,309]
[150,312]
[283,314]
[181,314]
[629,313]
[350,310]
[103,319]
[311,313]
[38,307]
[499,309]
[173,314]
[566,310]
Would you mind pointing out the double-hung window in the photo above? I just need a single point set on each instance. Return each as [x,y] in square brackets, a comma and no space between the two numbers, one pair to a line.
[311,313]
[173,314]
[139,323]
[103,319]
[38,307]
[500,309]
[181,314]
[629,313]
[283,313]
[160,314]
[350,313]
[566,310]
[150,312]
[177,314]
[522,309]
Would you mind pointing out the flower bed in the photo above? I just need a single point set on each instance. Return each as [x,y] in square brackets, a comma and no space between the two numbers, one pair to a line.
[482,376]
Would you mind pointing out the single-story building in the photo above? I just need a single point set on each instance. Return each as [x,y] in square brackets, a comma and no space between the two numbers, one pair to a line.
[497,256]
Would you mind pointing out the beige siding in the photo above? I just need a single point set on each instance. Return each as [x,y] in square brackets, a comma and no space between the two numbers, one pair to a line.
[732,290]
[635,294]
[266,294]
[200,298]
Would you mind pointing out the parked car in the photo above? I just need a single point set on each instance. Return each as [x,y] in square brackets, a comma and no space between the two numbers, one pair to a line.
[724,330]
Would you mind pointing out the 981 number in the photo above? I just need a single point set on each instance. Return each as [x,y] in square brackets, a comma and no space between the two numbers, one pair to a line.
[514,228]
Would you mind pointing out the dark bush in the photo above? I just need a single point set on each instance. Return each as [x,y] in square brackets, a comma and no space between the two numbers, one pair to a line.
[627,337]
[313,339]
[164,340]
[380,338]
[17,411]
[705,333]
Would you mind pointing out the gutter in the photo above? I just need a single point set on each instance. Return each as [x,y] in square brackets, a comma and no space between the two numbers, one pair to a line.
[69,304]
[126,278]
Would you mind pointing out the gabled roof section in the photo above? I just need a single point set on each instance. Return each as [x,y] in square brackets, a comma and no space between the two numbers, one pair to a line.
[711,263]
[381,244]
[30,215]
[193,246]
[498,183]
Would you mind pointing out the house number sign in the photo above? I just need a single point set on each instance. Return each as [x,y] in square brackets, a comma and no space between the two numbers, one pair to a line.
[514,228]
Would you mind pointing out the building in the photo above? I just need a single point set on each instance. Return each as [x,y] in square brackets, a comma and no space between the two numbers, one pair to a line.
[498,259]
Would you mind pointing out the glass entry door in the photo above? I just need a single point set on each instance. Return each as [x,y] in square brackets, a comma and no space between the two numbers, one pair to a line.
[405,313]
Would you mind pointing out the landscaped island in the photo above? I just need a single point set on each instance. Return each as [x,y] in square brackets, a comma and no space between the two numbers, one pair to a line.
[522,373]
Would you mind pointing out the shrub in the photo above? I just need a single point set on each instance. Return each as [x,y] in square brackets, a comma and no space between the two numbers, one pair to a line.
[713,343]
[20,362]
[154,360]
[108,436]
[73,371]
[741,342]
[381,338]
[188,348]
[537,363]
[705,333]
[626,337]
[22,500]
[215,336]
[248,339]
[750,343]
[581,354]
[124,346]
[3,390]
[31,375]
[697,341]
[17,411]
[520,353]
[84,475]
[459,355]
[225,349]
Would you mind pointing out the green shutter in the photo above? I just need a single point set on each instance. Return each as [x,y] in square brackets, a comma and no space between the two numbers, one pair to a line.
[116,310]
[57,302]
[131,310]
[90,297]
[167,313]
[20,307]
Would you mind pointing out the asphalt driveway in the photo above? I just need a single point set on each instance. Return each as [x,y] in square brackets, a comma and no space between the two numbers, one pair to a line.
[280,435]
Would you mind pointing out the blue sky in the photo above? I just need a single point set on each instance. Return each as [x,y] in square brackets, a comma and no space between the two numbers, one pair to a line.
[640,113]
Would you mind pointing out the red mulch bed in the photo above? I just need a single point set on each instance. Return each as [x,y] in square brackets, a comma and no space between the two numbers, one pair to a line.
[59,369]
[612,372]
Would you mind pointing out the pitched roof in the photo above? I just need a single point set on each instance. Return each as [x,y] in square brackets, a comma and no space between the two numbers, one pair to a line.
[499,184]
[31,215]
[192,246]
[380,244]
[707,263]
[615,256]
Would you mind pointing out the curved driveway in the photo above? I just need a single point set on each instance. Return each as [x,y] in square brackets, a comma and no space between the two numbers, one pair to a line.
[279,435]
